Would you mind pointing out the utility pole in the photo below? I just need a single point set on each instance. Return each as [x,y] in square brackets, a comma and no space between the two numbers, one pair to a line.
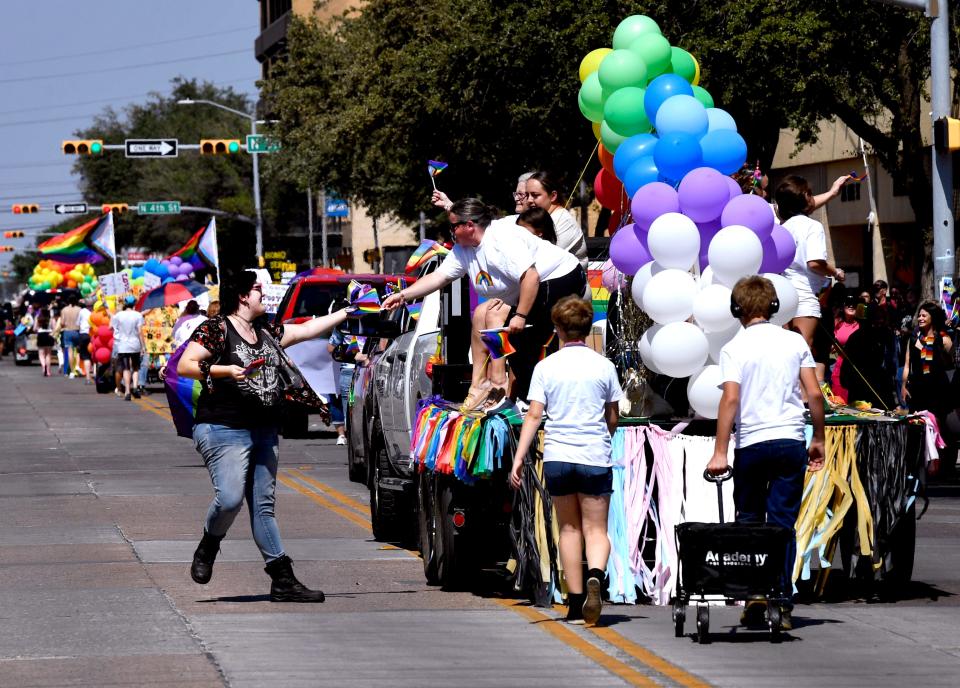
[323,226]
[310,227]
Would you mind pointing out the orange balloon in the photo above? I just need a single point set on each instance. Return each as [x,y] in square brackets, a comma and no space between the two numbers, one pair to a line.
[606,158]
[71,284]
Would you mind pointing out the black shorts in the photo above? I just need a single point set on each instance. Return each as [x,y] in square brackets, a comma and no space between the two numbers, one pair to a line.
[83,343]
[574,478]
[129,361]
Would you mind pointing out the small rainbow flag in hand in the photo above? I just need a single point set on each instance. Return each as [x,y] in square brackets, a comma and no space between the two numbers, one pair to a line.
[363,299]
[400,285]
[414,310]
[425,251]
[435,167]
[355,344]
[497,342]
[858,177]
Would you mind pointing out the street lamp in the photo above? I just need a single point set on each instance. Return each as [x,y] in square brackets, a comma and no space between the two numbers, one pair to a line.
[256,165]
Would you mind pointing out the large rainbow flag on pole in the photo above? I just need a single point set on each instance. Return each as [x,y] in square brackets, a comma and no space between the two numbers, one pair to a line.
[88,243]
[201,249]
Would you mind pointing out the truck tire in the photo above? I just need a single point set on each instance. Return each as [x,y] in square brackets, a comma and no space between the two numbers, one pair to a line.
[453,560]
[428,522]
[383,512]
[903,542]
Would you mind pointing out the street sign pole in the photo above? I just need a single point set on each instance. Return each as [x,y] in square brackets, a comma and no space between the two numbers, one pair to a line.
[309,227]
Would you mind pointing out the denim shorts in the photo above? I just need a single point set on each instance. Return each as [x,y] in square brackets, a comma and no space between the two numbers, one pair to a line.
[574,478]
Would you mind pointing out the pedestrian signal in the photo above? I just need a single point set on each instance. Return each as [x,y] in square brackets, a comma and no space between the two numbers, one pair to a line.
[946,134]
[13,235]
[219,146]
[7,249]
[24,208]
[118,208]
[85,147]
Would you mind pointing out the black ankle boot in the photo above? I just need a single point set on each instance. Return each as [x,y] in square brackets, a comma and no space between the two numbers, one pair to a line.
[202,568]
[285,586]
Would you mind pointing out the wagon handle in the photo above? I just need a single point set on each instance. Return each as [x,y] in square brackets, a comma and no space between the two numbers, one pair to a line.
[722,477]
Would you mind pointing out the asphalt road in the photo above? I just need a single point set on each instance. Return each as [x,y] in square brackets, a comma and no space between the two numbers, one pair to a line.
[101,506]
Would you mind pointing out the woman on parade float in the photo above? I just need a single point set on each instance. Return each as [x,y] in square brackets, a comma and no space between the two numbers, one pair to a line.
[522,277]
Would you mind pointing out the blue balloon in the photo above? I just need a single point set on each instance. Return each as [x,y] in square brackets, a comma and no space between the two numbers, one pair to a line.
[682,114]
[676,154]
[720,119]
[631,150]
[723,150]
[161,271]
[167,280]
[661,88]
[152,265]
[642,171]
[137,272]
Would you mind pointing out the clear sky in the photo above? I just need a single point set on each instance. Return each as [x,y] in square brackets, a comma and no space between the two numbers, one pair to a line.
[63,62]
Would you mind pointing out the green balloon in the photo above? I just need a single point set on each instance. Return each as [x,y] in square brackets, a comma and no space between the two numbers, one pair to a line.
[703,96]
[624,112]
[655,52]
[683,64]
[591,98]
[631,28]
[621,68]
[611,140]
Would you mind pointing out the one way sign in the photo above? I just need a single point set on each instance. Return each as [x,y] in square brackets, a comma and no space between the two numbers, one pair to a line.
[151,148]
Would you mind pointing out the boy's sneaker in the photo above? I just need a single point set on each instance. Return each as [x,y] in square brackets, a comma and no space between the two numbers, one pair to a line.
[594,602]
[136,394]
[575,608]
[118,392]
[341,440]
[126,397]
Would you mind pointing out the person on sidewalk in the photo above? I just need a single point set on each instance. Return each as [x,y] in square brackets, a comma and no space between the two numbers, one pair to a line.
[70,334]
[237,424]
[83,341]
[762,369]
[579,390]
[128,343]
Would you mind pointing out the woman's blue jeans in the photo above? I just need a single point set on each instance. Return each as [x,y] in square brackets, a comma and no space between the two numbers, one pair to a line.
[242,465]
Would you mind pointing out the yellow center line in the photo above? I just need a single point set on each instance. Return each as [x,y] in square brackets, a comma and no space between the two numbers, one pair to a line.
[654,661]
[559,631]
[323,501]
[347,500]
[153,409]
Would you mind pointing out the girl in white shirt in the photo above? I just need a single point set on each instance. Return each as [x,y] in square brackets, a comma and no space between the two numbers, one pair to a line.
[543,191]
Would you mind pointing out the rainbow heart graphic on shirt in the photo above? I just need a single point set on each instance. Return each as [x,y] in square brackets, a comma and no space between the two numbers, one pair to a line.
[483,279]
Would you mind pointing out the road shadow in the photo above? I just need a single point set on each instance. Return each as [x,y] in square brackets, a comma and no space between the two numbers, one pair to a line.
[842,589]
[237,598]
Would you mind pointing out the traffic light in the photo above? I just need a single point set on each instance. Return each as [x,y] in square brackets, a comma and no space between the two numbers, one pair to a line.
[118,208]
[219,146]
[13,235]
[7,249]
[24,208]
[946,134]
[85,147]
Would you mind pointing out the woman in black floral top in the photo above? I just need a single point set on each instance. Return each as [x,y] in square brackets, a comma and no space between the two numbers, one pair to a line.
[238,416]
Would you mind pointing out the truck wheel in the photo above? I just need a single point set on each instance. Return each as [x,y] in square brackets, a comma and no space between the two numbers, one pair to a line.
[296,421]
[428,522]
[453,560]
[357,474]
[903,541]
[382,505]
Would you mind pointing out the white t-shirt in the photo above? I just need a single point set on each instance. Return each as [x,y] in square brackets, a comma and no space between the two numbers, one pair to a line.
[569,234]
[811,243]
[504,254]
[83,320]
[126,331]
[765,360]
[574,385]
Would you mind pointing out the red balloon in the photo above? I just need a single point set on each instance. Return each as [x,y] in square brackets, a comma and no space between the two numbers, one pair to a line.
[613,224]
[102,355]
[105,332]
[95,343]
[609,191]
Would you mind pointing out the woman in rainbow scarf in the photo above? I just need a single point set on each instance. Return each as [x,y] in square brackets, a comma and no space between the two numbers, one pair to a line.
[928,357]
[520,275]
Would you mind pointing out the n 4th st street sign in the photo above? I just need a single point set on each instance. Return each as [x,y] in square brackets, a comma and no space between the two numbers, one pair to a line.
[158,207]
[150,148]
[70,208]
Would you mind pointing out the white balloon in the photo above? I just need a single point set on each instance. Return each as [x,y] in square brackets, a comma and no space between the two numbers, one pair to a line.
[788,297]
[674,241]
[734,252]
[680,349]
[711,308]
[640,281]
[668,296]
[716,340]
[704,391]
[645,347]
[706,277]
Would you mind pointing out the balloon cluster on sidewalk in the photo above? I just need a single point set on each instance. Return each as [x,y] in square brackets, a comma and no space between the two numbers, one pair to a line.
[49,274]
[666,155]
[101,336]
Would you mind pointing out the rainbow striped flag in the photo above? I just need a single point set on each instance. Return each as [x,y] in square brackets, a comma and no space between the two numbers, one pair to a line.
[355,344]
[414,310]
[363,298]
[497,342]
[435,167]
[88,243]
[425,251]
[202,247]
[400,285]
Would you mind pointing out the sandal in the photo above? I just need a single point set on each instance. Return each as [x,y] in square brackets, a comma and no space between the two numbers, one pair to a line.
[476,396]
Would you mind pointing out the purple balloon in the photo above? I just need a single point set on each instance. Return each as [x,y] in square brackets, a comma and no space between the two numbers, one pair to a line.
[703,193]
[735,189]
[779,250]
[176,260]
[750,211]
[708,230]
[651,201]
[182,278]
[627,251]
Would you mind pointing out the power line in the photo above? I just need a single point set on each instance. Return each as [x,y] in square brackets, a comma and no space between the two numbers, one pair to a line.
[24,197]
[125,48]
[31,122]
[121,68]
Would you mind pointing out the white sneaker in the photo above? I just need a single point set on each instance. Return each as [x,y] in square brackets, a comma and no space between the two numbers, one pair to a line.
[522,406]
[341,441]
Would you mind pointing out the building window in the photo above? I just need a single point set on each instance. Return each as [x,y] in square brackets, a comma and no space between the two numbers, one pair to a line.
[849,193]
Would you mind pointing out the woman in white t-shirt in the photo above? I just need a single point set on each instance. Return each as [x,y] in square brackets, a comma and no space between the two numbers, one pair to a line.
[522,277]
[543,191]
[809,273]
[579,390]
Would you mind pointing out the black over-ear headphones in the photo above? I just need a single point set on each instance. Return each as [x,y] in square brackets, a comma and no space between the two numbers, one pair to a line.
[736,310]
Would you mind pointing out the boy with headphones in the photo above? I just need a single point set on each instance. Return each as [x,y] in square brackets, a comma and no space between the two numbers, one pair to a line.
[762,369]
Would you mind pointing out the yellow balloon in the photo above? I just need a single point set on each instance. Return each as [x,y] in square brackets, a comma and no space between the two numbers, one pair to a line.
[596,129]
[696,75]
[591,63]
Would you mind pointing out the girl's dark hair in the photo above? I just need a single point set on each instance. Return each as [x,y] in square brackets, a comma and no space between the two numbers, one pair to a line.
[237,285]
[473,209]
[540,220]
[793,197]
[549,183]
[937,317]
[192,308]
[43,318]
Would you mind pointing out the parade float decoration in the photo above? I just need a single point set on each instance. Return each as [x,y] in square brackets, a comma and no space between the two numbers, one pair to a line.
[51,274]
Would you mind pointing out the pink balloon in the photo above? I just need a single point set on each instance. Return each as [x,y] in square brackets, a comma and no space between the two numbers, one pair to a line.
[651,201]
[627,252]
[611,278]
[779,250]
